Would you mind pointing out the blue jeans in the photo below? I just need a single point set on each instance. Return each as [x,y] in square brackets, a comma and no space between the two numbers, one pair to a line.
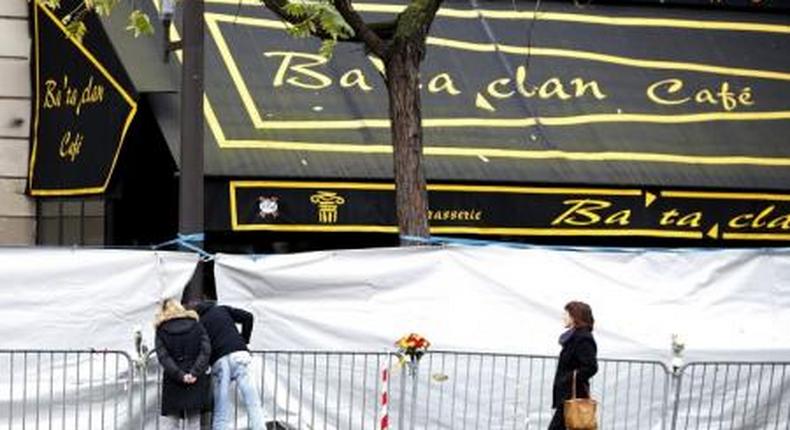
[235,367]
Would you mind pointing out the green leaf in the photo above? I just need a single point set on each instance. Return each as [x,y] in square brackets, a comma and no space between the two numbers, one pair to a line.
[327,48]
[139,23]
[76,30]
[334,24]
[300,30]
[52,4]
[297,10]
[315,16]
[103,7]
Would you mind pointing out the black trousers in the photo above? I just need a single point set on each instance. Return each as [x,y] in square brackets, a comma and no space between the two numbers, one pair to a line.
[558,420]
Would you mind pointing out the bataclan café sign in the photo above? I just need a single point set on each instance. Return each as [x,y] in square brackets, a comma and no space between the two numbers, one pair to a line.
[513,210]
[584,70]
[586,77]
[81,112]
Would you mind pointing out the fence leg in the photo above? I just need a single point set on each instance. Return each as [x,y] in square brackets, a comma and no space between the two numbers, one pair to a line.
[677,377]
[401,398]
[413,366]
[139,366]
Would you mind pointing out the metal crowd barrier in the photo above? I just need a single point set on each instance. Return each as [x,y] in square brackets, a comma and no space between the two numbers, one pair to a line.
[723,395]
[632,394]
[445,390]
[66,389]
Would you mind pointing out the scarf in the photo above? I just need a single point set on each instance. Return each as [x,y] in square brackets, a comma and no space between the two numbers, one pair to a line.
[566,335]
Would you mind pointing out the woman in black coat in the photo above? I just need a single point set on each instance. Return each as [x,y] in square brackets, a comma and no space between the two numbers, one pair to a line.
[578,354]
[183,349]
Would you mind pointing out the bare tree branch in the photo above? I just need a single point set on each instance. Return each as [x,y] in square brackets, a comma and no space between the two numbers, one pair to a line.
[384,29]
[371,40]
[416,19]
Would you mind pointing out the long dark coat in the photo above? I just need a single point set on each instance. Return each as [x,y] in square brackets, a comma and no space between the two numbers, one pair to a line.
[183,346]
[579,352]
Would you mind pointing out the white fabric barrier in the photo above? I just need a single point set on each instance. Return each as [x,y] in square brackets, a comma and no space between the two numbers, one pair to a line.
[74,299]
[725,304]
[81,299]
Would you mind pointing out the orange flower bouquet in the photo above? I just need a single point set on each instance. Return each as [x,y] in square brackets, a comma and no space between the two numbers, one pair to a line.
[412,345]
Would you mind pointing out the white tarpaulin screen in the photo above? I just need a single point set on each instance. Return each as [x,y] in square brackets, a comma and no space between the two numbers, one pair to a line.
[82,299]
[726,304]
[77,300]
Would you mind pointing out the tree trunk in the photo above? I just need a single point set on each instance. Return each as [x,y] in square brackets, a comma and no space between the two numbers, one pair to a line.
[402,68]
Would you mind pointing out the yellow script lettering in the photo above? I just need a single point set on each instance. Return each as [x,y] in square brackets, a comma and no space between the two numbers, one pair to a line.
[667,87]
[551,88]
[353,78]
[70,146]
[668,217]
[317,80]
[51,94]
[494,92]
[740,221]
[581,212]
[521,82]
[692,220]
[582,87]
[783,222]
[442,82]
[622,217]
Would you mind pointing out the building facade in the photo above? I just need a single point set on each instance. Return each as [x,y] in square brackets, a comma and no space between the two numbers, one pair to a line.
[17,210]
[577,125]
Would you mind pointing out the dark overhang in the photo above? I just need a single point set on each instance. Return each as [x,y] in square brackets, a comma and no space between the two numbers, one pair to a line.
[604,95]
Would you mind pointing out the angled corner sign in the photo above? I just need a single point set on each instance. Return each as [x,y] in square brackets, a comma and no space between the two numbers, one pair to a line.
[81,114]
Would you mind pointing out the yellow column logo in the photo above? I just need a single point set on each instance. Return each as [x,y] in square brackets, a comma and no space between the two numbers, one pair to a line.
[327,203]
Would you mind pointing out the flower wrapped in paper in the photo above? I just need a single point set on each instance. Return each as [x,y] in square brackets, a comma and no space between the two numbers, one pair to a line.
[412,345]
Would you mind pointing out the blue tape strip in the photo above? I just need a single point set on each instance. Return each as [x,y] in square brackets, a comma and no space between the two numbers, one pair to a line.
[187,241]
[194,237]
[440,240]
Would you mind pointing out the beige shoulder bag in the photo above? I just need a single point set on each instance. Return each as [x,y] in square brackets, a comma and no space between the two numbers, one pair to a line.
[580,414]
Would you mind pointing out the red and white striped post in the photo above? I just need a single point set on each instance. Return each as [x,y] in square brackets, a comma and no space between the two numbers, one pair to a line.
[384,399]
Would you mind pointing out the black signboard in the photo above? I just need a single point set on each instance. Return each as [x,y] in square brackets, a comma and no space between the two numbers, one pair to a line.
[513,210]
[628,85]
[81,112]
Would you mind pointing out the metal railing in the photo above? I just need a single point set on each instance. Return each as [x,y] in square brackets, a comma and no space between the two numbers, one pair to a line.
[445,390]
[66,389]
[721,395]
[632,394]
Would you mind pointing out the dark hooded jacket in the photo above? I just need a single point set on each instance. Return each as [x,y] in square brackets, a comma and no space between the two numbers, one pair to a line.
[579,352]
[183,346]
[220,323]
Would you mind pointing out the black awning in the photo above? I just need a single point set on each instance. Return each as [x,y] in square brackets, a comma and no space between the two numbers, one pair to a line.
[605,95]
[142,56]
[84,106]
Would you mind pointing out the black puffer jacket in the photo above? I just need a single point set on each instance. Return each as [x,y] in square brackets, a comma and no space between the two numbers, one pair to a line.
[220,323]
[182,346]
[578,353]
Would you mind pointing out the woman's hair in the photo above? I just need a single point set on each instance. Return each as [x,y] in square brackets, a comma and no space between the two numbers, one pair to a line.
[172,308]
[581,314]
[170,305]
